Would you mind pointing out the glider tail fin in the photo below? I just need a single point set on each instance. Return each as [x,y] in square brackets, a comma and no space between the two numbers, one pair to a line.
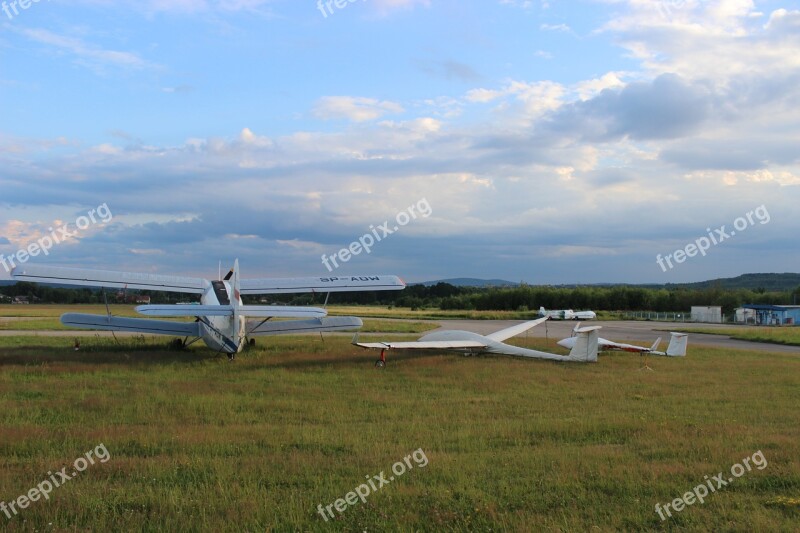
[585,348]
[677,344]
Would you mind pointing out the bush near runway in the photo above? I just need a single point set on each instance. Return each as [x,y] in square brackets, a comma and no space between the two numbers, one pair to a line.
[198,443]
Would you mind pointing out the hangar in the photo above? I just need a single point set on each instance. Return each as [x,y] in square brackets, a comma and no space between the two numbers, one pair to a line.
[775,315]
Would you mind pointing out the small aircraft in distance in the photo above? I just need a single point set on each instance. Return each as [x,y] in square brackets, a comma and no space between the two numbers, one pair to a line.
[676,348]
[583,350]
[221,318]
[567,314]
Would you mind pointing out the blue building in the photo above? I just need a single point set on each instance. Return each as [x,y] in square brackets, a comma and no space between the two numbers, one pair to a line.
[775,315]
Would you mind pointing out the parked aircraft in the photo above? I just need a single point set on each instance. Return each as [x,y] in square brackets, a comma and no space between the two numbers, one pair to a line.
[221,318]
[567,314]
[583,350]
[676,348]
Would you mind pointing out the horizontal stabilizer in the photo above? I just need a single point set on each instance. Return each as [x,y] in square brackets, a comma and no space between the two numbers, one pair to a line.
[654,347]
[335,323]
[106,278]
[185,310]
[136,325]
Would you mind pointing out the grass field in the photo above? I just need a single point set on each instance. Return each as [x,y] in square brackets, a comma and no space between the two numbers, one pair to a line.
[198,443]
[774,335]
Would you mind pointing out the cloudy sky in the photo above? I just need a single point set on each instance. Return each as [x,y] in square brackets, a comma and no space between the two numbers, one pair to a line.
[553,141]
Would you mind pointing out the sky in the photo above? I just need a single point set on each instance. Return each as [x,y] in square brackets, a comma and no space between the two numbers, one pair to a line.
[580,141]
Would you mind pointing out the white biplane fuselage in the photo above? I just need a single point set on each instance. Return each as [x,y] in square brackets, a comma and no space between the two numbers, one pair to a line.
[220,332]
[221,316]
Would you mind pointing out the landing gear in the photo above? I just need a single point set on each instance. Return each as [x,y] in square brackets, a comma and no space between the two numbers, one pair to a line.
[177,344]
[231,357]
[381,363]
[251,343]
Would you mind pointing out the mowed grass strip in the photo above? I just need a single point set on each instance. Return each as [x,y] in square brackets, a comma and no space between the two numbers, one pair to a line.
[198,443]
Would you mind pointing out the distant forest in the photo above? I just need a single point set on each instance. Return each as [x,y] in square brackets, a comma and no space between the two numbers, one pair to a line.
[446,296]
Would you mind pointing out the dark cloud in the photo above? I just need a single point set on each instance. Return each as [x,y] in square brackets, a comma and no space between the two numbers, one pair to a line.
[666,108]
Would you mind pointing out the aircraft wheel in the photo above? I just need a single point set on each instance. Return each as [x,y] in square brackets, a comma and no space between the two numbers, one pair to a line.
[252,343]
[380,364]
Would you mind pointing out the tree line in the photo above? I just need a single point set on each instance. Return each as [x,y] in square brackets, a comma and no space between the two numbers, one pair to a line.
[446,296]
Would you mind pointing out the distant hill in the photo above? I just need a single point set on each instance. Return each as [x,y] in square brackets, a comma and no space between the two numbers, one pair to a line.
[769,282]
[471,282]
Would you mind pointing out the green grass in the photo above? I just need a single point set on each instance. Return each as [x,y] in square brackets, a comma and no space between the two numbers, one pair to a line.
[372,325]
[774,335]
[198,443]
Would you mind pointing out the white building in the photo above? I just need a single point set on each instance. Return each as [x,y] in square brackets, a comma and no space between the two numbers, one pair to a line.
[745,316]
[712,314]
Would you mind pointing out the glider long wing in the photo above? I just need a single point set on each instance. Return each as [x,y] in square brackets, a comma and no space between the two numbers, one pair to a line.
[108,278]
[421,345]
[507,333]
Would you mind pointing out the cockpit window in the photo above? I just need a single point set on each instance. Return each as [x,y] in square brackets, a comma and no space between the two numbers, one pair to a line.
[221,292]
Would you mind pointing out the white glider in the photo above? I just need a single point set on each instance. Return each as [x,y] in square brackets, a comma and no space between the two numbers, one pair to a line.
[676,348]
[468,343]
[221,318]
[567,314]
